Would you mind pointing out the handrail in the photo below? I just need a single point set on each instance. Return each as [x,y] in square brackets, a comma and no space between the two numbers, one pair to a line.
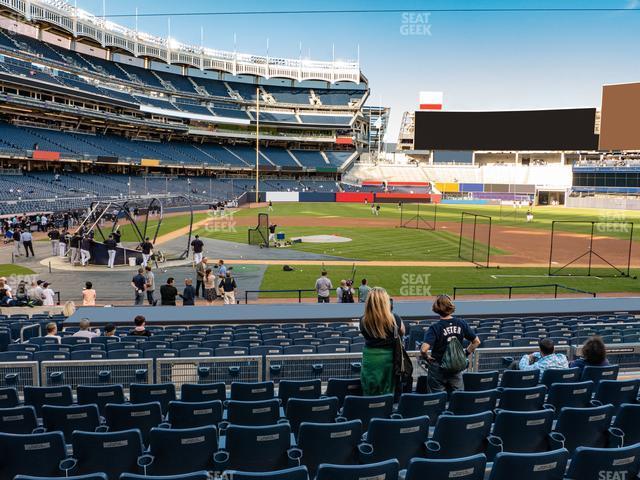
[510,288]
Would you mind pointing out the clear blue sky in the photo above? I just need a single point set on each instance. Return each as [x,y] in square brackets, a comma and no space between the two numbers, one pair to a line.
[479,60]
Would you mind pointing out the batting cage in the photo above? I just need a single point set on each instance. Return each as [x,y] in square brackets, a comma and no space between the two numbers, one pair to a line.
[422,216]
[475,239]
[260,234]
[590,248]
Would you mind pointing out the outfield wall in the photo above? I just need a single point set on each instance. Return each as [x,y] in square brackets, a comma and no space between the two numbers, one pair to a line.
[352,197]
[613,203]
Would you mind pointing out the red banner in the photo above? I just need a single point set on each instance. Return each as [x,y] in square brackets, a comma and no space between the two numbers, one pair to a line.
[45,155]
[354,197]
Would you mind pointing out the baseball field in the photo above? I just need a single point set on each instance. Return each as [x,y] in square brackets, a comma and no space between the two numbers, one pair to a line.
[593,250]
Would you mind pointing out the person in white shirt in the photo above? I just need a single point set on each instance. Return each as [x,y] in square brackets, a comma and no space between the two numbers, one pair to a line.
[84,330]
[47,295]
[52,331]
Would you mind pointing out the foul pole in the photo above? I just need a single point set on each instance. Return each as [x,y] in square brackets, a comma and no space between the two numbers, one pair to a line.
[257,144]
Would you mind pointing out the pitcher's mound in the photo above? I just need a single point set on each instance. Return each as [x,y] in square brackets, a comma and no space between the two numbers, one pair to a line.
[322,239]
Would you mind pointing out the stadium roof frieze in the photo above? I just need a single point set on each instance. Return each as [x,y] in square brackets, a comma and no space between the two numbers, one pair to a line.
[80,24]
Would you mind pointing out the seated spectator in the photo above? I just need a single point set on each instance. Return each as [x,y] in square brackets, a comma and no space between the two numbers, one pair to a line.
[52,331]
[594,354]
[109,330]
[88,295]
[545,359]
[140,327]
[85,331]
[5,298]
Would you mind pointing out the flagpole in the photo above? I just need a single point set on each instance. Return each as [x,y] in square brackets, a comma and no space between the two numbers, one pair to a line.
[257,144]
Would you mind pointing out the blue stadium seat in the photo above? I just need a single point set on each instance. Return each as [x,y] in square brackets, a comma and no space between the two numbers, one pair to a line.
[88,355]
[49,355]
[203,392]
[22,347]
[560,375]
[161,353]
[313,410]
[196,352]
[387,470]
[20,420]
[422,404]
[91,476]
[466,468]
[299,350]
[257,449]
[100,395]
[577,395]
[113,453]
[123,354]
[627,421]
[530,466]
[335,443]
[617,392]
[595,374]
[264,350]
[468,403]
[524,432]
[8,397]
[187,476]
[460,435]
[298,389]
[162,393]
[85,418]
[604,463]
[522,399]
[587,427]
[173,452]
[478,381]
[231,351]
[141,416]
[402,439]
[367,408]
[519,378]
[263,412]
[251,391]
[16,356]
[341,387]
[35,454]
[294,473]
[39,396]
[194,414]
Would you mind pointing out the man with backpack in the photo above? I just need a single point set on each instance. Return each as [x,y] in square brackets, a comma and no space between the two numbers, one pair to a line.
[442,348]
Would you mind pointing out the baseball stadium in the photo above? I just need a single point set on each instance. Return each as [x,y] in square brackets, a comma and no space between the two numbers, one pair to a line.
[220,265]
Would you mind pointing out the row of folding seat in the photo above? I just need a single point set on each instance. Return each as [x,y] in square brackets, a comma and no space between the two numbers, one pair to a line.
[405,442]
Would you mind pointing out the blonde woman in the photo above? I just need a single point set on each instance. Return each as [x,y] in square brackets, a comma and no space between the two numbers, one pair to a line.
[378,326]
[69,309]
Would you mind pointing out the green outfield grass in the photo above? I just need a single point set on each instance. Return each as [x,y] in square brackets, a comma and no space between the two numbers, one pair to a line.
[424,281]
[7,269]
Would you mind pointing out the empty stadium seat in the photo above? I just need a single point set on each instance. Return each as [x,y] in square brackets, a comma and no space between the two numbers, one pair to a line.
[387,470]
[402,439]
[418,404]
[524,432]
[312,410]
[298,389]
[257,449]
[187,476]
[19,420]
[250,391]
[203,392]
[617,392]
[145,393]
[460,435]
[263,412]
[522,399]
[466,468]
[530,466]
[367,408]
[475,381]
[335,443]
[294,473]
[179,451]
[141,416]
[560,375]
[8,397]
[194,414]
[576,395]
[100,395]
[468,403]
[341,387]
[587,427]
[626,422]
[595,374]
[85,418]
[113,453]
[39,396]
[33,454]
[519,378]
[604,463]
[91,476]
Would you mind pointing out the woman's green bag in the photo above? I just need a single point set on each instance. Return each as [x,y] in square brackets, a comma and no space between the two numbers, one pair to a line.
[454,359]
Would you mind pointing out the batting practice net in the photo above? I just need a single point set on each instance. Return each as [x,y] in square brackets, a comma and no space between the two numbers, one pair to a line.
[260,234]
[590,248]
[422,216]
[475,239]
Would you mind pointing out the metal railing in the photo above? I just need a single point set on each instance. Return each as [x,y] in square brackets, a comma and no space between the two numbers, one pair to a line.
[97,372]
[510,288]
[496,358]
[299,291]
[209,370]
